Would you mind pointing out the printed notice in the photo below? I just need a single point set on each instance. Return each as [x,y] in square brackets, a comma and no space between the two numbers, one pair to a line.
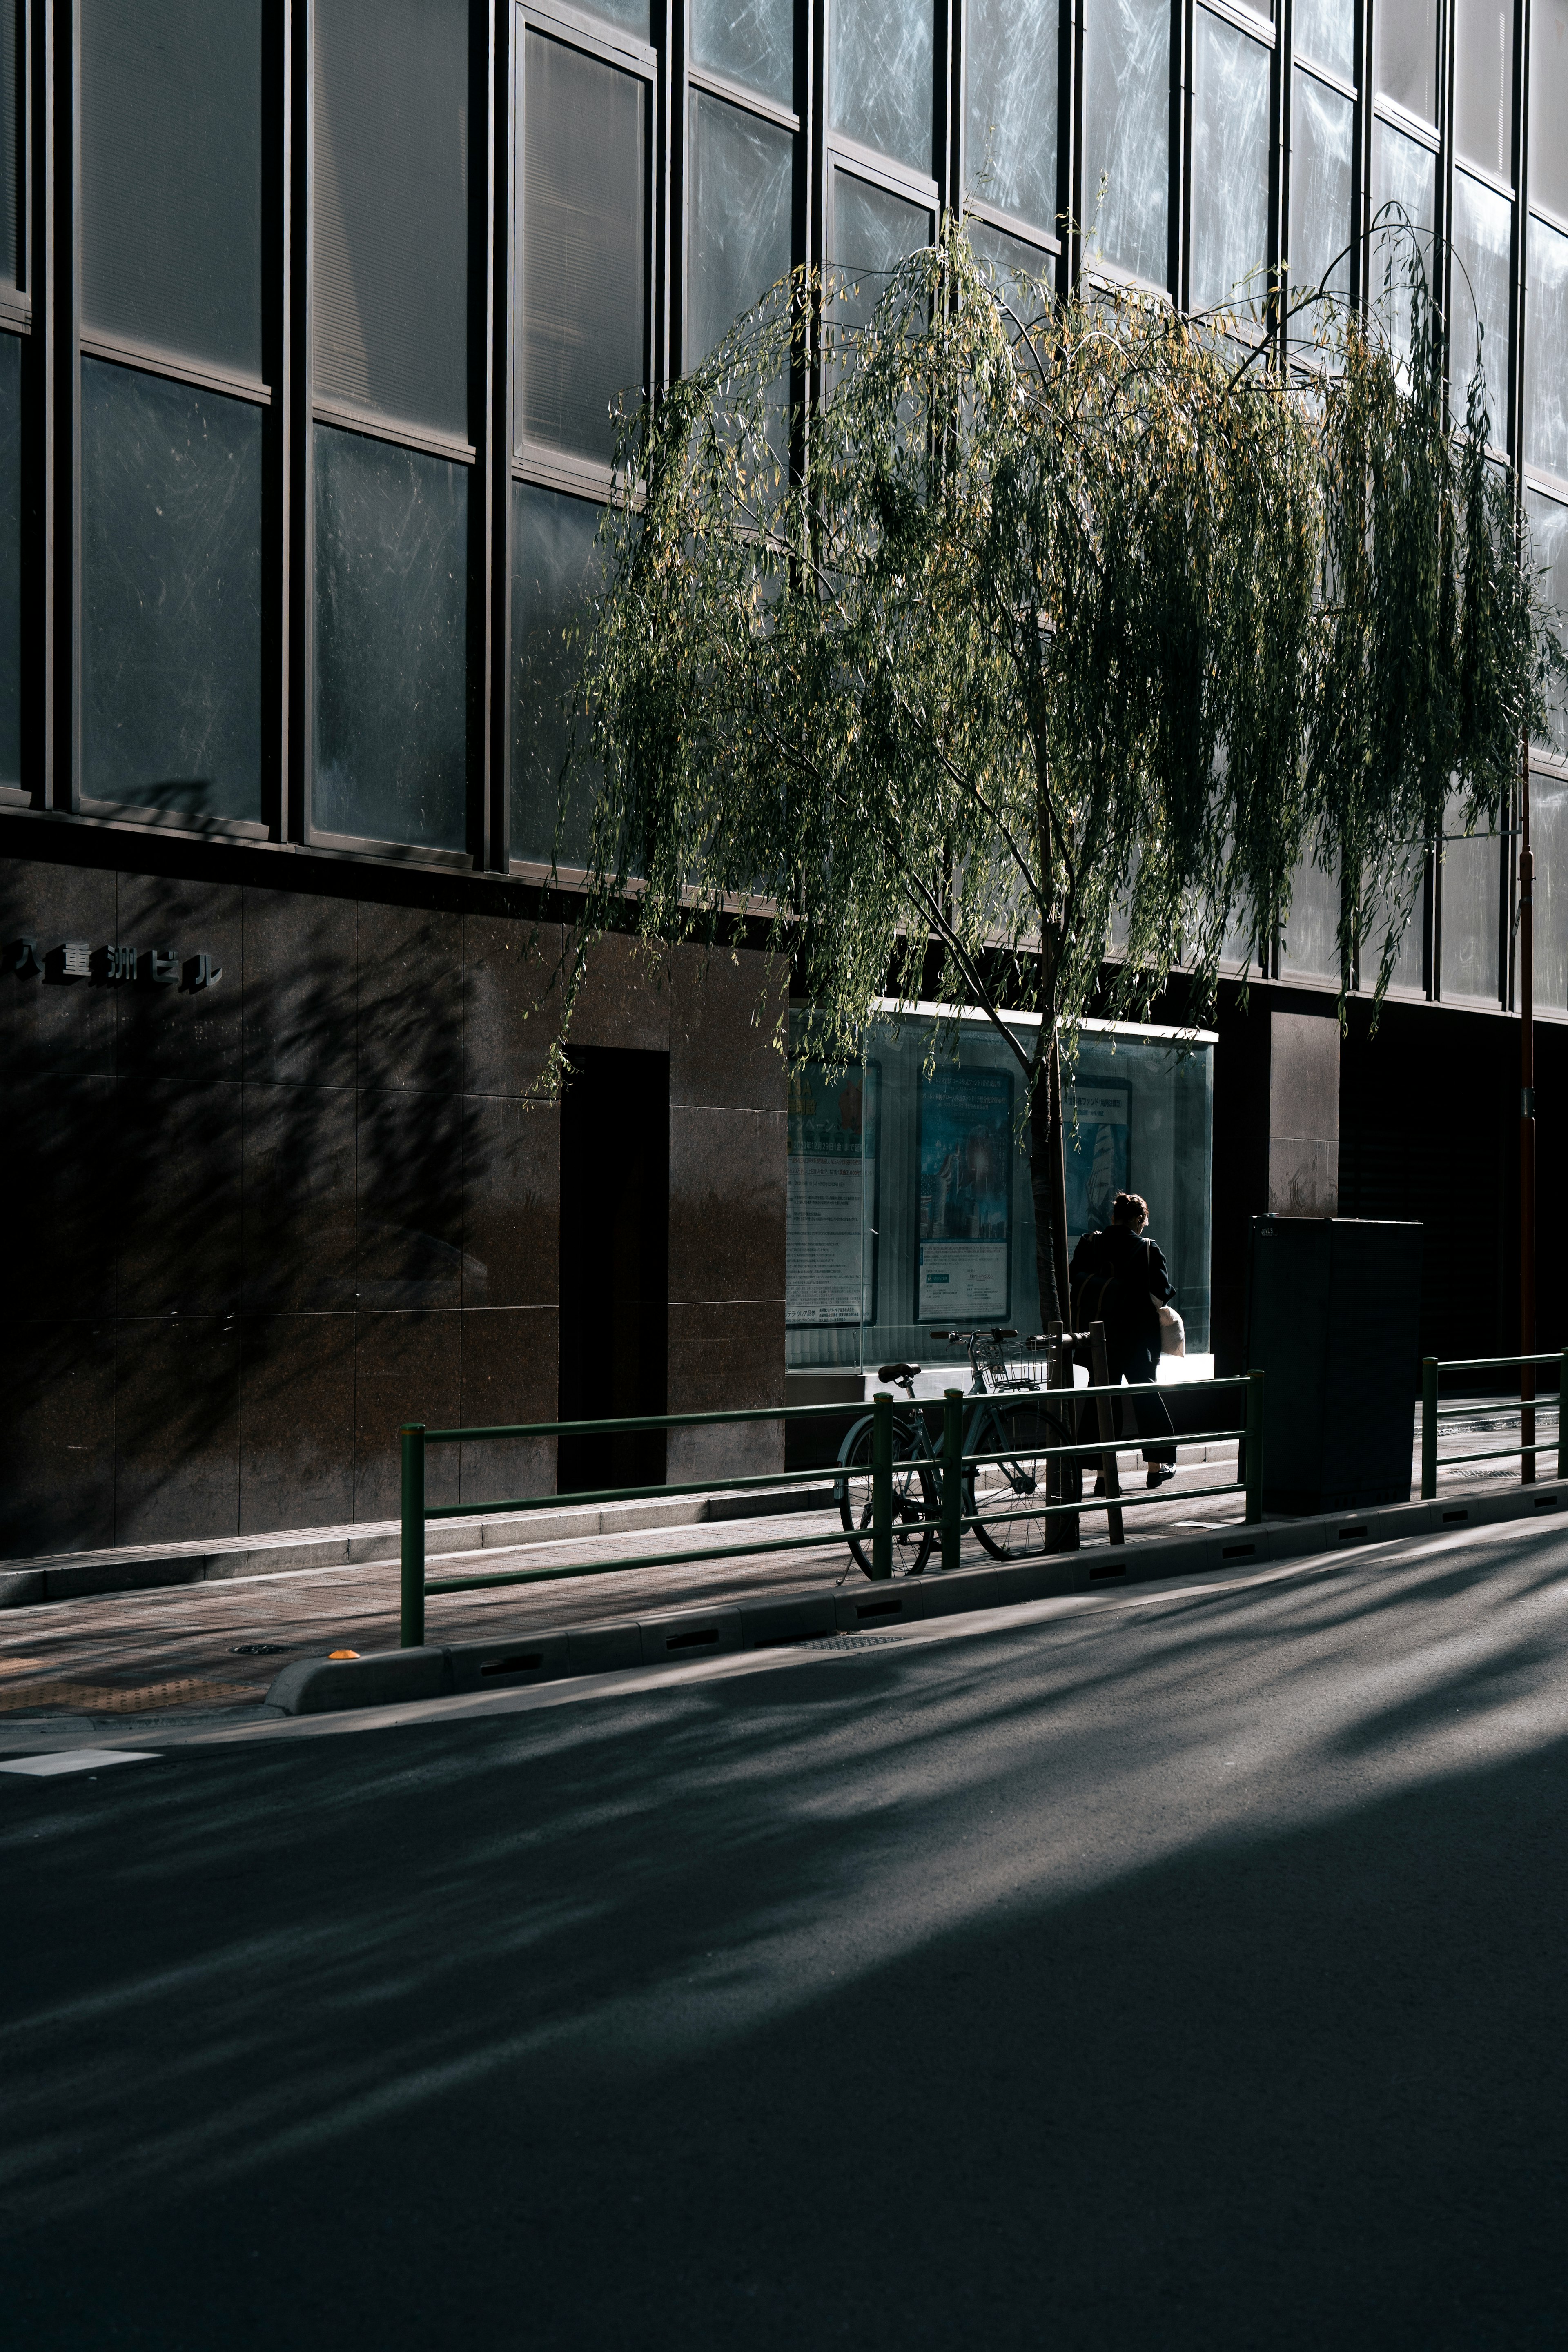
[1096,1156]
[962,1283]
[966,1154]
[824,1231]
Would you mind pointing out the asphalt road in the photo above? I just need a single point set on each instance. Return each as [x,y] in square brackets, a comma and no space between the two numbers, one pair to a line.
[1182,1970]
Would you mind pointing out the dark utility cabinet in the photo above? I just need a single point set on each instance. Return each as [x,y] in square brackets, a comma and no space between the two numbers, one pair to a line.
[1333,1314]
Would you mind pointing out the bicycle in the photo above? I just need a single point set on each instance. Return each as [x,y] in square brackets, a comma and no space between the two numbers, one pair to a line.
[1010,1420]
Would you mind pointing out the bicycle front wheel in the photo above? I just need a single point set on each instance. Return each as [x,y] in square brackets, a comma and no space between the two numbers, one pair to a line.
[914,1501]
[1021,1433]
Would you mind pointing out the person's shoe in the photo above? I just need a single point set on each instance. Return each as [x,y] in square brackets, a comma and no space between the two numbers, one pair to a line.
[1100,1486]
[1159,1472]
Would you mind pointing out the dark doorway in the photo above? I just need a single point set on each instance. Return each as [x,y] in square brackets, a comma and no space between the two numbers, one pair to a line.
[615,1254]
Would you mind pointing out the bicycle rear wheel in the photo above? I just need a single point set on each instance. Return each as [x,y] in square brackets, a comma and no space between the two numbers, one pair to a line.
[1020,1432]
[914,1500]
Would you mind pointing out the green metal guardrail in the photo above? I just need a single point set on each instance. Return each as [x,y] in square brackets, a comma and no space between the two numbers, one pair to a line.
[415,1439]
[1527,1448]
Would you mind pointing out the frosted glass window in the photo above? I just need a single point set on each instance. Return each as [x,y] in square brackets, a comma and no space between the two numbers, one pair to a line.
[1325,29]
[748,41]
[1483,84]
[582,249]
[1549,839]
[1127,133]
[391,551]
[742,209]
[1548,521]
[1546,351]
[171,176]
[882,66]
[1408,976]
[1010,108]
[556,564]
[1404,184]
[1407,54]
[1549,105]
[171,594]
[872,231]
[1324,130]
[10,559]
[1230,167]
[10,152]
[1308,944]
[1470,906]
[1483,239]
[390,96]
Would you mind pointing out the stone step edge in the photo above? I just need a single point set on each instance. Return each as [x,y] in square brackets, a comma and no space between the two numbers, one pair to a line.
[783,1618]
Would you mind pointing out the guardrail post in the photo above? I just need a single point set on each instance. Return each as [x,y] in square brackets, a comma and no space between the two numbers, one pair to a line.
[1428,1429]
[413,1628]
[881,1484]
[952,1476]
[1253,1447]
[1105,1413]
[1562,1420]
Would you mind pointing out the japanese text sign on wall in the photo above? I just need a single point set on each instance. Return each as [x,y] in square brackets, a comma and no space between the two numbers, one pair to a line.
[79,959]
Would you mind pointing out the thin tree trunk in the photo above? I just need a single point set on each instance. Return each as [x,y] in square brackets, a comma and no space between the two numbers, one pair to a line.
[1047,1181]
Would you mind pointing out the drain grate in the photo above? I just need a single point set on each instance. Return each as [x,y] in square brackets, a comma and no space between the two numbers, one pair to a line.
[847,1641]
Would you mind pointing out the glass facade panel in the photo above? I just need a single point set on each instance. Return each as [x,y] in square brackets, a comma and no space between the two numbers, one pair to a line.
[883,53]
[1325,29]
[871,233]
[555,564]
[1404,195]
[1546,349]
[1549,839]
[1010,108]
[171,176]
[11,149]
[742,215]
[1230,167]
[171,595]
[1320,187]
[1483,242]
[1407,54]
[749,41]
[1483,84]
[1549,105]
[390,95]
[10,559]
[1548,521]
[1127,133]
[1470,905]
[1308,944]
[391,551]
[582,248]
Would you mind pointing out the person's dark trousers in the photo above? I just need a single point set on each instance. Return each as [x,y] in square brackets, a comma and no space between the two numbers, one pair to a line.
[1137,1361]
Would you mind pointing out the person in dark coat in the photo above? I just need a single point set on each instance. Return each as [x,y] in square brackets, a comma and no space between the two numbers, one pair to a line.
[1116,1275]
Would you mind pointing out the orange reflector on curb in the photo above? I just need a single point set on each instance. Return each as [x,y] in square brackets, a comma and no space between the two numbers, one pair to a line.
[342,1653]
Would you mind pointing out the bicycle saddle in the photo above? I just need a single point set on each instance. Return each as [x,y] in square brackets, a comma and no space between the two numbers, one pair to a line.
[896,1371]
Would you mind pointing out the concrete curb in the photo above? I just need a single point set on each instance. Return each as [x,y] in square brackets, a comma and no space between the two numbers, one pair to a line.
[321,1686]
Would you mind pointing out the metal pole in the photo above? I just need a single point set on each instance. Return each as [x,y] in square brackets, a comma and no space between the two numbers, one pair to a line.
[1428,1429]
[1253,1447]
[412,1437]
[881,1484]
[1526,1128]
[1562,1418]
[1105,1413]
[952,1476]
[1069,1528]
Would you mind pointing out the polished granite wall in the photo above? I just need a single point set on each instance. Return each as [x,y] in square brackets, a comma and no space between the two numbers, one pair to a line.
[255,1227]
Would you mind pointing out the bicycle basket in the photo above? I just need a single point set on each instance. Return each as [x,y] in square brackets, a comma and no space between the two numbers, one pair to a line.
[1013,1363]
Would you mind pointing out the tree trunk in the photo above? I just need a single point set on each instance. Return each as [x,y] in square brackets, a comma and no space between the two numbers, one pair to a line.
[1047,1181]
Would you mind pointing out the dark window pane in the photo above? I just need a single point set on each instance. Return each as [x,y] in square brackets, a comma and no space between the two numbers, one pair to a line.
[1127,133]
[1407,54]
[1309,943]
[1549,839]
[872,231]
[583,246]
[1010,95]
[11,146]
[1483,84]
[171,176]
[1483,238]
[1325,29]
[1404,193]
[1321,191]
[742,183]
[1548,522]
[554,563]
[1546,351]
[171,594]
[392,546]
[10,560]
[882,53]
[1549,105]
[391,194]
[1230,167]
[751,41]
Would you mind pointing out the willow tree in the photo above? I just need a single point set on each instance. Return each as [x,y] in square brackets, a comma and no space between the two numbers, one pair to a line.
[1047,626]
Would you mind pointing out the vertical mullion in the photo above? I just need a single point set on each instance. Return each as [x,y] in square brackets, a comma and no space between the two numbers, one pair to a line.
[1281,121]
[669,85]
[40,505]
[1360,167]
[66,476]
[502,436]
[301,488]
[276,151]
[1179,178]
[680,189]
[947,55]
[1069,144]
[480,696]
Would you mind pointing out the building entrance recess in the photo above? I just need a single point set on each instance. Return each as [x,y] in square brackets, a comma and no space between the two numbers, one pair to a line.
[615,1250]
